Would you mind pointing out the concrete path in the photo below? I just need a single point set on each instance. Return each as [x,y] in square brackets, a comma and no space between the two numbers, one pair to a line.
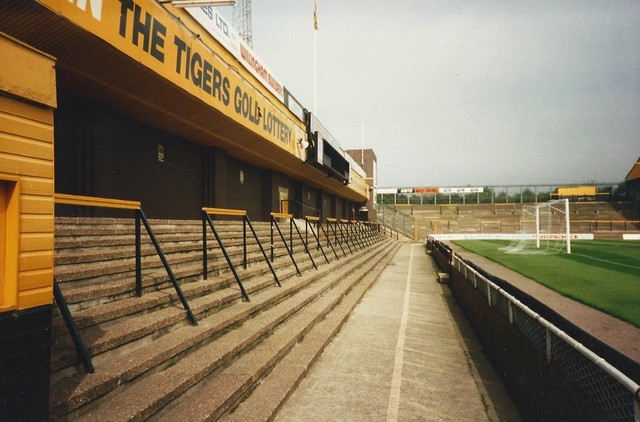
[405,354]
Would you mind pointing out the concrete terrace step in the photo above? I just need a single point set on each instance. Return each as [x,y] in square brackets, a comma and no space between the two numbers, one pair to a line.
[145,314]
[71,393]
[95,287]
[101,288]
[154,392]
[259,382]
[103,275]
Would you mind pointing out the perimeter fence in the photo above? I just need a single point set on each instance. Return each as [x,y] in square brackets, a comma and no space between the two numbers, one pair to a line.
[397,220]
[498,194]
[555,375]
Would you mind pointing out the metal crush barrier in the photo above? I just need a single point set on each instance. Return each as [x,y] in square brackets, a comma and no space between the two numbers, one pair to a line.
[612,392]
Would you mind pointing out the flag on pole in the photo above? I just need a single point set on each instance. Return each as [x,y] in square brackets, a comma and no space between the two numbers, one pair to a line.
[315,15]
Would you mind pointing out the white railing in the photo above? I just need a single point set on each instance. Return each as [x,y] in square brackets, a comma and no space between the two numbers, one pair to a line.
[612,391]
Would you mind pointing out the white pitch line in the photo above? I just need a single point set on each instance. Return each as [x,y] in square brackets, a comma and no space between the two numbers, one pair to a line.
[608,262]
[396,379]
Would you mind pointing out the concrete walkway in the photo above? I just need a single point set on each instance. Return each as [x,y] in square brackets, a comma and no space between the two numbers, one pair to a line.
[406,353]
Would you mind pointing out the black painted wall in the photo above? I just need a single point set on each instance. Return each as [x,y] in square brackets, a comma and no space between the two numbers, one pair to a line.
[25,356]
[100,153]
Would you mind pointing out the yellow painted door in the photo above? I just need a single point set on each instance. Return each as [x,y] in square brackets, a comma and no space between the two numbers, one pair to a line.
[283,195]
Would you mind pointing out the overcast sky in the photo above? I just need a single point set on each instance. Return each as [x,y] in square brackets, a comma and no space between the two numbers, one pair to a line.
[456,93]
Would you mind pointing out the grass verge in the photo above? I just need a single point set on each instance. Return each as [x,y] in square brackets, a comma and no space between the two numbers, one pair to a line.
[603,274]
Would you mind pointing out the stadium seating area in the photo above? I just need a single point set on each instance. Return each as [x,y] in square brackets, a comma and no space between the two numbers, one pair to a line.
[603,219]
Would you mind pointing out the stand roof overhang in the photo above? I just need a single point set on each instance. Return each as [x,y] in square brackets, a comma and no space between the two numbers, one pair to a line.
[88,65]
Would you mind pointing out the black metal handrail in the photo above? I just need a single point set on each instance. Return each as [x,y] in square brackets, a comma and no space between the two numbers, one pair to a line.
[81,349]
[141,218]
[370,232]
[274,221]
[326,235]
[293,224]
[309,226]
[363,233]
[89,201]
[332,229]
[206,220]
[343,236]
[354,233]
[264,253]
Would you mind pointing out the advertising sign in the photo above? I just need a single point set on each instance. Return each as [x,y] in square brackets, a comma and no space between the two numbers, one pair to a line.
[226,34]
[460,190]
[150,35]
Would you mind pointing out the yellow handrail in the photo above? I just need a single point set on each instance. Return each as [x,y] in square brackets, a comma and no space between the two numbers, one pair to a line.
[224,211]
[90,201]
[281,215]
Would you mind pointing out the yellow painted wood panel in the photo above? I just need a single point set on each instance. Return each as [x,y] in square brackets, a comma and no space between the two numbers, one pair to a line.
[35,279]
[12,144]
[41,260]
[27,161]
[36,242]
[36,185]
[36,297]
[36,223]
[25,165]
[27,72]
[11,188]
[3,238]
[27,110]
[25,128]
[34,204]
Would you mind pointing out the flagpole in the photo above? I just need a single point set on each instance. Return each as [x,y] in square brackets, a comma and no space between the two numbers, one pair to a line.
[315,76]
[315,48]
[362,139]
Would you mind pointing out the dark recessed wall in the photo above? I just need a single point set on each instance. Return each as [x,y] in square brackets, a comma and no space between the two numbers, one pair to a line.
[100,153]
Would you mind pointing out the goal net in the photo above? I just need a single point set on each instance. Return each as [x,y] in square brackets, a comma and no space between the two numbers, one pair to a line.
[543,229]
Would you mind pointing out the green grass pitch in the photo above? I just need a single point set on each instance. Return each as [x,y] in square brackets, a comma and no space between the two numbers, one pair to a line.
[604,274]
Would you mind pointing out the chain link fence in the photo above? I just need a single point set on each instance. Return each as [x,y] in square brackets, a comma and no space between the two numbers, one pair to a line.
[608,389]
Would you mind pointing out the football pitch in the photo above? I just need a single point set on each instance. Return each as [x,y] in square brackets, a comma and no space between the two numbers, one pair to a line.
[604,274]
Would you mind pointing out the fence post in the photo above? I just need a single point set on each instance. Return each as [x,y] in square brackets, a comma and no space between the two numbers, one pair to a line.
[548,344]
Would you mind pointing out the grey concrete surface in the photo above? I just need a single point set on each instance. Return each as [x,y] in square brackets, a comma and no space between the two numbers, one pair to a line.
[405,354]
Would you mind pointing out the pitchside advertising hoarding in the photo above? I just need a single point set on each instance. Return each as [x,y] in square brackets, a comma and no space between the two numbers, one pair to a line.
[510,236]
[430,190]
[149,34]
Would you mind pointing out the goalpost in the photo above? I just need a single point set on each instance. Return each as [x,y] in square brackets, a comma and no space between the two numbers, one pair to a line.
[544,229]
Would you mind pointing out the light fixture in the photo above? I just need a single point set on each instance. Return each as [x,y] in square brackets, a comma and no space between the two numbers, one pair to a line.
[196,3]
[304,144]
